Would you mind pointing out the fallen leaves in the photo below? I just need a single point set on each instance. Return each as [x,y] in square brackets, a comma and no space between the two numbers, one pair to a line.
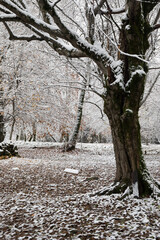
[40,201]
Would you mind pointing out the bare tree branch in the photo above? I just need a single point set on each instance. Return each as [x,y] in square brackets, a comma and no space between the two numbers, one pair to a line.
[97,107]
[4,10]
[27,38]
[82,45]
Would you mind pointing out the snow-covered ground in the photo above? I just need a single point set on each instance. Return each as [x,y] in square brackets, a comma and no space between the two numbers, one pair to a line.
[40,200]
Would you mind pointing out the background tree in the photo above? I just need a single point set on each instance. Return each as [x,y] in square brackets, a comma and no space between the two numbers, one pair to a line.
[2,127]
[1,109]
[121,64]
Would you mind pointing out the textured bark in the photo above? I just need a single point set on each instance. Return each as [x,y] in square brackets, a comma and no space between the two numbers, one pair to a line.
[130,166]
[122,106]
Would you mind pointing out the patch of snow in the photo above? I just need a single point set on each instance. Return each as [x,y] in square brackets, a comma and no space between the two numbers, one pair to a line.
[15,169]
[128,27]
[145,220]
[135,189]
[73,171]
[129,110]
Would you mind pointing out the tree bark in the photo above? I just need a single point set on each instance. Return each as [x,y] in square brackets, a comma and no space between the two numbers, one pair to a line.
[130,166]
[121,105]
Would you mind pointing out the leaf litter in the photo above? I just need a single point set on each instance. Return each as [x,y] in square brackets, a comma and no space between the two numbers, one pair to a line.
[39,200]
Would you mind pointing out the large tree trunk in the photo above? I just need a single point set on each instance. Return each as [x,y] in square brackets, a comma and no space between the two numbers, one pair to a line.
[121,104]
[131,170]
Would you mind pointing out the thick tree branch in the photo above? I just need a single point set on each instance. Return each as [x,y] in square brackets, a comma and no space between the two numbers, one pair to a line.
[100,56]
[57,46]
[37,27]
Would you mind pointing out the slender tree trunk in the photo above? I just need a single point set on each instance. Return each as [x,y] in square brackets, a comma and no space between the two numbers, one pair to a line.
[13,121]
[2,132]
[71,144]
[12,129]
[34,131]
[2,135]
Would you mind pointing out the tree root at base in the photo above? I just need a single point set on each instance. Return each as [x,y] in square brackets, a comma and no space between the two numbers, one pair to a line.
[124,190]
[115,188]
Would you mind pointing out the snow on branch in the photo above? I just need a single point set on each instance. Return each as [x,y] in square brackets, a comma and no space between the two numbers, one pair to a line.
[112,11]
[54,3]
[76,46]
[3,10]
[9,17]
[23,4]
[96,53]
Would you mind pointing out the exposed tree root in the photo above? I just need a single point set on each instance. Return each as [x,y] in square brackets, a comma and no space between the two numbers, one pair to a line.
[124,190]
[115,188]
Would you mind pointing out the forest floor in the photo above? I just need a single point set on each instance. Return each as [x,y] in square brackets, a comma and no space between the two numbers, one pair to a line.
[39,200]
